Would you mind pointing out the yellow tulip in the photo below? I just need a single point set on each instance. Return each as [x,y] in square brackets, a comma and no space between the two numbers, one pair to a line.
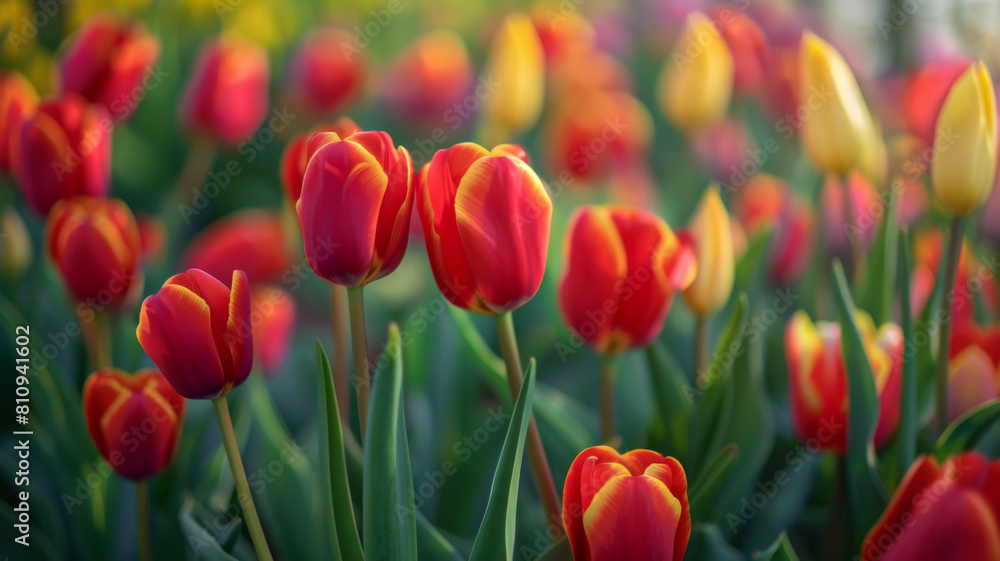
[517,67]
[838,126]
[713,240]
[697,81]
[965,142]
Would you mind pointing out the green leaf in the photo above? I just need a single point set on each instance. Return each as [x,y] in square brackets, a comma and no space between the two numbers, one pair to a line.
[390,526]
[495,539]
[909,425]
[711,477]
[780,550]
[199,540]
[866,492]
[708,543]
[926,365]
[674,399]
[337,504]
[431,544]
[963,434]
[877,296]
[560,551]
[753,261]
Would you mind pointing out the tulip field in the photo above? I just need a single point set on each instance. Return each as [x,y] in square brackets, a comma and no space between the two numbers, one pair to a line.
[449,280]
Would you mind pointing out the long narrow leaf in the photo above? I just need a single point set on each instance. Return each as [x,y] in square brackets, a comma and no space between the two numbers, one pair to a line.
[908,424]
[963,434]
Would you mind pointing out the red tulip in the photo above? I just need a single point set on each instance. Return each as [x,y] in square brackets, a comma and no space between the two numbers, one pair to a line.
[226,94]
[632,506]
[296,155]
[134,421]
[64,150]
[18,101]
[747,44]
[949,511]
[107,62]
[357,197]
[152,237]
[324,77]
[428,83]
[974,368]
[273,323]
[95,245]
[768,202]
[486,219]
[561,32]
[925,96]
[623,266]
[818,379]
[198,333]
[253,241]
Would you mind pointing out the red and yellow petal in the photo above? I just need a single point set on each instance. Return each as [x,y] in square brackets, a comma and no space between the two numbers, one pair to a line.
[239,331]
[633,517]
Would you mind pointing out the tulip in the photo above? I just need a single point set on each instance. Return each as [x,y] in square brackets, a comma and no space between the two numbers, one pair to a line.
[18,101]
[622,268]
[152,237]
[296,155]
[225,98]
[273,323]
[196,313]
[587,69]
[747,45]
[840,231]
[16,240]
[357,196]
[818,378]
[324,77]
[115,405]
[713,241]
[697,82]
[63,150]
[974,358]
[430,80]
[925,94]
[631,506]
[95,245]
[107,62]
[560,32]
[947,511]
[486,219]
[838,130]
[963,173]
[928,251]
[517,66]
[768,202]
[253,241]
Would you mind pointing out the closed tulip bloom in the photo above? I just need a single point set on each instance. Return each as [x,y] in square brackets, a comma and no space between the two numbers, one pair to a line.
[713,241]
[963,174]
[116,405]
[941,511]
[697,81]
[517,66]
[818,378]
[199,334]
[355,206]
[273,325]
[324,77]
[766,202]
[629,506]
[18,101]
[253,241]
[623,266]
[486,219]
[225,98]
[974,368]
[296,154]
[107,62]
[429,79]
[63,151]
[94,243]
[836,132]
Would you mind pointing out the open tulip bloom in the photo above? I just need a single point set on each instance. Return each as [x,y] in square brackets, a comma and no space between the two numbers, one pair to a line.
[754,320]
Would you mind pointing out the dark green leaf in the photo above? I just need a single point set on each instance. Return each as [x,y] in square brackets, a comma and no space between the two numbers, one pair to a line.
[780,550]
[877,296]
[674,398]
[707,542]
[963,434]
[199,540]
[431,544]
[711,477]
[908,423]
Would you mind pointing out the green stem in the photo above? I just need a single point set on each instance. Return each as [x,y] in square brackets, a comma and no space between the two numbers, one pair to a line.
[359,338]
[240,479]
[536,452]
[607,399]
[701,350]
[338,325]
[944,335]
[142,504]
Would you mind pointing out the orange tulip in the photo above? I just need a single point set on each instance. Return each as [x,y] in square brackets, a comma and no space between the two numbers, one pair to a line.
[623,266]
[631,506]
[768,202]
[323,76]
[486,219]
[253,241]
[18,101]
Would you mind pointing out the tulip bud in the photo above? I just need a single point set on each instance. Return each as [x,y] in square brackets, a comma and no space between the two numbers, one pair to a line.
[429,79]
[837,131]
[963,173]
[768,202]
[940,512]
[631,506]
[95,245]
[713,241]
[18,101]
[697,81]
[974,354]
[296,155]
[517,67]
[273,324]
[226,94]
[15,244]
[64,150]
[355,206]
[817,378]
[107,62]
[116,405]
[210,323]
[610,247]
[253,241]
[323,76]
[747,44]
[486,219]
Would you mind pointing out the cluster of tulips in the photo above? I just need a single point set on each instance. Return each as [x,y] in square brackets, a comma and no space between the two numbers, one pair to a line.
[485,216]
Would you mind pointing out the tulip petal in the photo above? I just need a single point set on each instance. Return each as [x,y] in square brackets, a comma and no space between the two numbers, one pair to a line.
[239,330]
[573,499]
[394,216]
[973,382]
[632,517]
[919,477]
[217,297]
